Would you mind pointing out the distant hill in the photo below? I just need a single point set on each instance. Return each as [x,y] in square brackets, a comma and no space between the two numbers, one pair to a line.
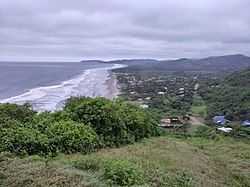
[89,61]
[215,63]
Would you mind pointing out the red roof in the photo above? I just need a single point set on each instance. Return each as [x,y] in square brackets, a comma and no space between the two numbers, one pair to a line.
[166,121]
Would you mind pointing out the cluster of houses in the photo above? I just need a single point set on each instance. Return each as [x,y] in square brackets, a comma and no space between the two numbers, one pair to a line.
[223,122]
[218,120]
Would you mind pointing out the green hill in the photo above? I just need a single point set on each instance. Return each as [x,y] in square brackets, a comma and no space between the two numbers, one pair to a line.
[231,97]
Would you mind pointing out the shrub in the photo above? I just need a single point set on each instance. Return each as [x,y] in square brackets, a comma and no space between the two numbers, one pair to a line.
[87,163]
[115,122]
[185,180]
[206,132]
[23,141]
[71,137]
[109,123]
[21,113]
[122,173]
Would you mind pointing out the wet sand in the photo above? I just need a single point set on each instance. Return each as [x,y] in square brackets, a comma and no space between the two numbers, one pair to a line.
[112,86]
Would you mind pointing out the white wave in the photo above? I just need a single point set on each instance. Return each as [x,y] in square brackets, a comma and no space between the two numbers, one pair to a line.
[91,83]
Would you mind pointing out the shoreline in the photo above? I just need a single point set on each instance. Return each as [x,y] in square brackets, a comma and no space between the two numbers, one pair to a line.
[112,86]
[96,82]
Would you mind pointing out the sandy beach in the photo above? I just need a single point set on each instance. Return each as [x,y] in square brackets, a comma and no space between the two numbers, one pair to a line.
[112,86]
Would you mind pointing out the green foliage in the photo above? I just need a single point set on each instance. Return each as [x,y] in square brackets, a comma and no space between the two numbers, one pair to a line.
[206,132]
[71,137]
[230,98]
[115,122]
[83,126]
[87,162]
[23,141]
[240,132]
[21,113]
[228,101]
[185,180]
[238,78]
[122,173]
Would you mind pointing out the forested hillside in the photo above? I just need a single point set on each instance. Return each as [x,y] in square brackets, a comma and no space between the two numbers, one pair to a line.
[231,97]
[218,63]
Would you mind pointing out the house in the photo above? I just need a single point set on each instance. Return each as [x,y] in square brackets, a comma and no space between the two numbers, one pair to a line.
[224,129]
[174,119]
[166,123]
[160,93]
[144,106]
[246,123]
[219,120]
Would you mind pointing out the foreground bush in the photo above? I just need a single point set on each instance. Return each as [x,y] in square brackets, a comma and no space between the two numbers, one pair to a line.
[87,163]
[21,113]
[83,126]
[23,141]
[115,122]
[122,173]
[71,137]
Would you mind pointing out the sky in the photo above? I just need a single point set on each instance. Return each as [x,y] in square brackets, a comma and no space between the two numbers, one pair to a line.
[73,30]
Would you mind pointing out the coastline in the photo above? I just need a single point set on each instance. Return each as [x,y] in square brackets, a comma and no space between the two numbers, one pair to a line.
[96,82]
[112,86]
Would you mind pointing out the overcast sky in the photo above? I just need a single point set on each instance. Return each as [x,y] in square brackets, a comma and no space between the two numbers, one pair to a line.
[71,30]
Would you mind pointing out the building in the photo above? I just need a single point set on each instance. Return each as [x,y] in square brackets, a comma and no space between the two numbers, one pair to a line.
[166,123]
[224,129]
[246,123]
[144,106]
[160,93]
[174,119]
[220,120]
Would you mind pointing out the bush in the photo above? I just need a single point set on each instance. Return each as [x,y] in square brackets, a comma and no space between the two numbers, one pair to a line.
[87,163]
[122,173]
[109,123]
[21,113]
[71,137]
[115,122]
[23,141]
[185,180]
[206,132]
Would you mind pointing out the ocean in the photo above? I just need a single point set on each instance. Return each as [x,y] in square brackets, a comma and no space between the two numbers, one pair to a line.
[46,85]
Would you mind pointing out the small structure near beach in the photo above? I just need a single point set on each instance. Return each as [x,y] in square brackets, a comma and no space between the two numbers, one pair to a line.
[170,122]
[166,123]
[144,106]
[160,93]
[246,123]
[220,120]
[224,129]
[174,119]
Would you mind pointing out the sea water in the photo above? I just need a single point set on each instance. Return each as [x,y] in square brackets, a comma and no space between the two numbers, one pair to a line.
[46,85]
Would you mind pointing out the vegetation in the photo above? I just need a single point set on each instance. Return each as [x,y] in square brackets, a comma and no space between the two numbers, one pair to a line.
[83,126]
[83,144]
[199,108]
[200,160]
[230,98]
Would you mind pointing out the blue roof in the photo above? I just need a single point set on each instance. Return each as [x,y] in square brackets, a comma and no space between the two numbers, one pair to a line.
[219,119]
[246,122]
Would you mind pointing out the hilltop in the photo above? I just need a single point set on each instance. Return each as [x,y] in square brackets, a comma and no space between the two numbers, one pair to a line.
[215,63]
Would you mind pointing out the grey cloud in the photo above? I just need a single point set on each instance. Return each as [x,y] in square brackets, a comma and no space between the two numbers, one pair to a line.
[109,29]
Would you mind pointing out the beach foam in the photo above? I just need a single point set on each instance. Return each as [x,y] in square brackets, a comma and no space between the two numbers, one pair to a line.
[91,83]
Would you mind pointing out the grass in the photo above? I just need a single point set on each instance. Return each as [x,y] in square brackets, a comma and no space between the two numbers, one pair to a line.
[198,108]
[165,161]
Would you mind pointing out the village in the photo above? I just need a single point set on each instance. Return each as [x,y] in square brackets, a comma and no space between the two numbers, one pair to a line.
[172,96]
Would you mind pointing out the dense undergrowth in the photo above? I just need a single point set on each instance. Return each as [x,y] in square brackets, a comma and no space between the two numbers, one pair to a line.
[83,126]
